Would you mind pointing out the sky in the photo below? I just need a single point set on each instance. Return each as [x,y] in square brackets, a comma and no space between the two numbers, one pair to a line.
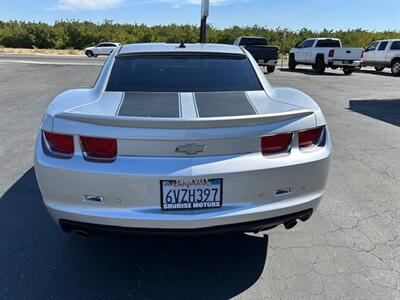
[293,14]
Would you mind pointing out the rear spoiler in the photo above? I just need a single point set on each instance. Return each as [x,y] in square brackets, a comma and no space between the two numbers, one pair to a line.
[178,123]
[187,53]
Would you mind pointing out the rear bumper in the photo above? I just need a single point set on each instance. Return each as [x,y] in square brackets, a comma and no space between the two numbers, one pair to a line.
[130,187]
[252,226]
[345,63]
[271,62]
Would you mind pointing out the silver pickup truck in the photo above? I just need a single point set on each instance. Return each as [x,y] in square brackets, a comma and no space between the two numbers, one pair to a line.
[383,54]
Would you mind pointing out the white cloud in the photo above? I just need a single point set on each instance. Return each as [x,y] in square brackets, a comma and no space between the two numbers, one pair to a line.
[87,4]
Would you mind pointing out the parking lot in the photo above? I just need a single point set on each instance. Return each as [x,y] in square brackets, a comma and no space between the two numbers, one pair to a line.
[350,248]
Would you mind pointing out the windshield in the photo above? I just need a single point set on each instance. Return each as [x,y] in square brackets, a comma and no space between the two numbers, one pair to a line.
[184,73]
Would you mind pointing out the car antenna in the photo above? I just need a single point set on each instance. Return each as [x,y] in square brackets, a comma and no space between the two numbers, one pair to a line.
[182,44]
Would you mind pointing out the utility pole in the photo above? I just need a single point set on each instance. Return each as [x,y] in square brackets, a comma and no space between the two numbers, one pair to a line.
[205,4]
[283,49]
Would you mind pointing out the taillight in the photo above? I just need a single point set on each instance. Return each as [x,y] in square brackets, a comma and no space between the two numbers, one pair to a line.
[311,137]
[331,53]
[362,54]
[59,143]
[99,148]
[277,143]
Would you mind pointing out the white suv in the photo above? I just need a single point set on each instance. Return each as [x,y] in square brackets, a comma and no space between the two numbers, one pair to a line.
[383,54]
[101,49]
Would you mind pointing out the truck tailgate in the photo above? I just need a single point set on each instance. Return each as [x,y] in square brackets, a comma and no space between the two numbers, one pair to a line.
[348,53]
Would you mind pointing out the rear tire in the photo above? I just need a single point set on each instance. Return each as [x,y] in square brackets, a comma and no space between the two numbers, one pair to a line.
[348,71]
[270,69]
[292,62]
[89,53]
[379,69]
[396,67]
[320,65]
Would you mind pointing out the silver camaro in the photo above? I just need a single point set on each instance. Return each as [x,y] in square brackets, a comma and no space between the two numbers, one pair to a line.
[182,139]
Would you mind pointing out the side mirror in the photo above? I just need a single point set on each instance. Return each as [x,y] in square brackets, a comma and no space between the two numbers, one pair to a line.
[297,45]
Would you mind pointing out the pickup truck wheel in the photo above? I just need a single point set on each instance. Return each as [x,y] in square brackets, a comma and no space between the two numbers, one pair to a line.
[379,69]
[292,62]
[396,67]
[270,69]
[320,65]
[348,71]
[89,53]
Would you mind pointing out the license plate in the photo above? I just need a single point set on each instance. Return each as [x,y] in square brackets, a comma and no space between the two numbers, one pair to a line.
[347,62]
[191,194]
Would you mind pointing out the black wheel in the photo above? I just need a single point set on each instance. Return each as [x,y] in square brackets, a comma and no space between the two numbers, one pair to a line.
[396,67]
[379,69]
[320,65]
[348,71]
[270,69]
[89,53]
[292,62]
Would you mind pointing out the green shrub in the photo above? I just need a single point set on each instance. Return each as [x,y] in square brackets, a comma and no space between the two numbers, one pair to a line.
[74,34]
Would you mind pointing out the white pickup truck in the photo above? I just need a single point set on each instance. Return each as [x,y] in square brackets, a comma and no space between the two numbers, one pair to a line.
[383,54]
[321,53]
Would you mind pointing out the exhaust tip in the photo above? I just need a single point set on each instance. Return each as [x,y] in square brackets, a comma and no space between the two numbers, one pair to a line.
[290,224]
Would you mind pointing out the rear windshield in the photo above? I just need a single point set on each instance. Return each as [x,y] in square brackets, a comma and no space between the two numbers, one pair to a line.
[182,74]
[328,44]
[253,41]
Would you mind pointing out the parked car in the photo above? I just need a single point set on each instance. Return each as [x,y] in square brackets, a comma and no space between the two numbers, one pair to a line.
[383,54]
[322,53]
[101,49]
[183,139]
[265,55]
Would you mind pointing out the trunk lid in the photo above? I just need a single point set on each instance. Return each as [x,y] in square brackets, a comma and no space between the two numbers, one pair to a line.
[184,124]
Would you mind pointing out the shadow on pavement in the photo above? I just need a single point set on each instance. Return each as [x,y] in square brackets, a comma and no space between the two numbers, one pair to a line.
[311,72]
[40,261]
[387,110]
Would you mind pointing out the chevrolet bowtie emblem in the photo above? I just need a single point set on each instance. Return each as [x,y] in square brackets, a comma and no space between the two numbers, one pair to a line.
[191,149]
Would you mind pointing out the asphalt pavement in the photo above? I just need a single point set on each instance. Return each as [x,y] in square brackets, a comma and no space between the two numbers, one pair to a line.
[51,59]
[349,249]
